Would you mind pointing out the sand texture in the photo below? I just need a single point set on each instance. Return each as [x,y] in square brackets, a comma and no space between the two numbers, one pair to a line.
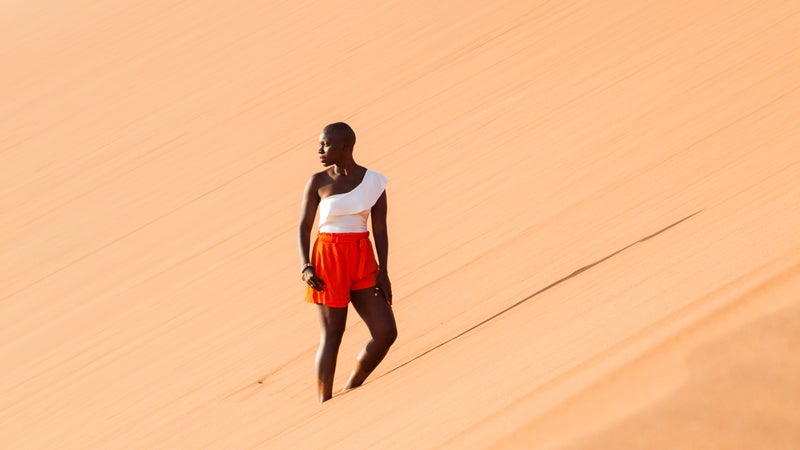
[594,221]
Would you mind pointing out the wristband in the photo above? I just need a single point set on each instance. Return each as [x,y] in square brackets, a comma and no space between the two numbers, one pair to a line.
[306,266]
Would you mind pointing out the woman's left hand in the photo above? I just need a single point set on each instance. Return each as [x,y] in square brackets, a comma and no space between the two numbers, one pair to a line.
[383,285]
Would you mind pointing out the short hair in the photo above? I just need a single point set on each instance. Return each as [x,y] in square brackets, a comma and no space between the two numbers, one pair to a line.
[342,129]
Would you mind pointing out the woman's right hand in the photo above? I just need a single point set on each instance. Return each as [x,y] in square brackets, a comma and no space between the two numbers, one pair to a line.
[311,279]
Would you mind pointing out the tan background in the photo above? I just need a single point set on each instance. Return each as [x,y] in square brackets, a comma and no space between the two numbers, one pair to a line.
[153,157]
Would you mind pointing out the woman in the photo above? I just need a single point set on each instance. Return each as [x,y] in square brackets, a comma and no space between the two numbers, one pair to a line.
[342,267]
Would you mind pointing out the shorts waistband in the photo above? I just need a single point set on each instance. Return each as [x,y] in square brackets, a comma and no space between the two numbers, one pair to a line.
[342,237]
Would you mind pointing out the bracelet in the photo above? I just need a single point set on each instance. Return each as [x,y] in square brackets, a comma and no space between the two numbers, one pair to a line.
[306,266]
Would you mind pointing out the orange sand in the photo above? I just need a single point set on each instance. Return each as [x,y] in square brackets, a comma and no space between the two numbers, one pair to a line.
[153,157]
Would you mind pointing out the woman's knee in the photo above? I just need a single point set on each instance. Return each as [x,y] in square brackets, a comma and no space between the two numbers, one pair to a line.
[332,338]
[386,336]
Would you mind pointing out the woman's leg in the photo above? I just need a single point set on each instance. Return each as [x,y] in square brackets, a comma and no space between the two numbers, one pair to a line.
[331,327]
[378,316]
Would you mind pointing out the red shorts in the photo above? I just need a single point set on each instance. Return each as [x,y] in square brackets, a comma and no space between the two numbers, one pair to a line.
[345,262]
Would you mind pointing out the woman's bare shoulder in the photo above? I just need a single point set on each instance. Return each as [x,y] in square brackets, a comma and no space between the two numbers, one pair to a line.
[319,178]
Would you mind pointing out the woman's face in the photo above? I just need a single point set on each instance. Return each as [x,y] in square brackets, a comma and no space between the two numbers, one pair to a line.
[330,149]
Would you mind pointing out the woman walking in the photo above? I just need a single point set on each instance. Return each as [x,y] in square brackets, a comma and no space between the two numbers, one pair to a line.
[341,268]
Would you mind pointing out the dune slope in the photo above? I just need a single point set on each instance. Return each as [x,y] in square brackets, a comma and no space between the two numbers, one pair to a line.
[593,212]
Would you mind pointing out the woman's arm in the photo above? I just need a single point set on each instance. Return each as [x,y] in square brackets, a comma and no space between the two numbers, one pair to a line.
[308,210]
[382,246]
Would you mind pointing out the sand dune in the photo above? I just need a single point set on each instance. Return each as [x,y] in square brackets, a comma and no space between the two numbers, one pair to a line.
[593,212]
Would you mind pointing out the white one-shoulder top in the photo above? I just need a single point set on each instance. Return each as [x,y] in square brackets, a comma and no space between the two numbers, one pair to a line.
[348,212]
